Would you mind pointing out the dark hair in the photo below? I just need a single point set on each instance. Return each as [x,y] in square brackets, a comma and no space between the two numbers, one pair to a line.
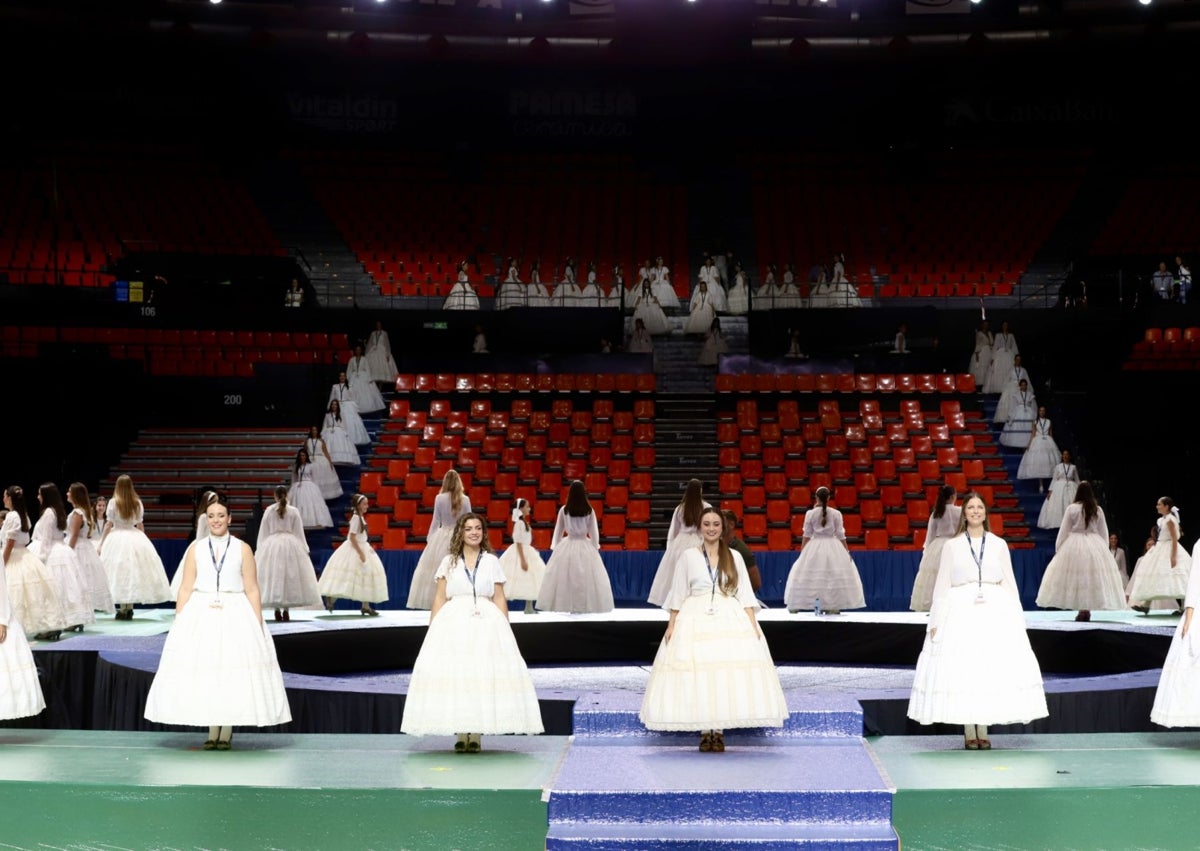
[281,494]
[727,570]
[693,503]
[53,500]
[945,494]
[577,501]
[16,495]
[962,521]
[1086,497]
[823,497]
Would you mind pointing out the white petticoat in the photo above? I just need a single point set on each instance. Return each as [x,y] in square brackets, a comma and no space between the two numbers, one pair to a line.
[63,565]
[1154,578]
[1177,699]
[314,513]
[422,588]
[20,691]
[135,570]
[469,676]
[522,584]
[1082,575]
[927,572]
[286,576]
[824,570]
[347,578]
[33,594]
[576,579]
[95,580]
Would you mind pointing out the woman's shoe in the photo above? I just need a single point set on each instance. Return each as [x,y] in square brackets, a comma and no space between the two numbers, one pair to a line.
[972,744]
[210,745]
[460,746]
[718,743]
[985,745]
[287,615]
[329,604]
[278,615]
[705,742]
[370,612]
[473,743]
[224,744]
[1084,616]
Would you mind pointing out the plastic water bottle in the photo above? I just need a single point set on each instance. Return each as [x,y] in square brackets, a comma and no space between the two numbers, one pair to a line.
[816,605]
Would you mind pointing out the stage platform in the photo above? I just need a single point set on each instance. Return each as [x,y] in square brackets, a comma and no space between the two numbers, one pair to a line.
[848,765]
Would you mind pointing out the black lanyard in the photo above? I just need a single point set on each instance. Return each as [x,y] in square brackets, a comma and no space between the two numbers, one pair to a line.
[218,565]
[712,577]
[978,558]
[472,574]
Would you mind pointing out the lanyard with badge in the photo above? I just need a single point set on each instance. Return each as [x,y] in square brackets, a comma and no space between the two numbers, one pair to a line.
[217,565]
[471,574]
[978,565]
[712,577]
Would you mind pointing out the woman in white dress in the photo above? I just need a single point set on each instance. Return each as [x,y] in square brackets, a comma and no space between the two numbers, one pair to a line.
[218,667]
[576,579]
[713,670]
[322,464]
[462,295]
[344,394]
[1042,453]
[738,298]
[823,578]
[660,282]
[703,310]
[342,451]
[469,678]
[683,534]
[33,595]
[366,395]
[512,291]
[976,667]
[1064,479]
[48,542]
[521,561]
[379,357]
[640,340]
[647,308]
[134,568]
[1162,574]
[205,500]
[943,525]
[286,576]
[80,523]
[1177,698]
[1022,411]
[1082,575]
[1004,352]
[1118,554]
[715,344]
[449,505]
[1011,387]
[354,571]
[981,357]
[20,690]
[536,294]
[305,495]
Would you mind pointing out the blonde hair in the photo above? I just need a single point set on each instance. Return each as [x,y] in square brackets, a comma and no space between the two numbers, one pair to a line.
[126,498]
[452,484]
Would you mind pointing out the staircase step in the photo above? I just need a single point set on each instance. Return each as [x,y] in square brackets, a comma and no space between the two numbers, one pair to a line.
[707,837]
[616,714]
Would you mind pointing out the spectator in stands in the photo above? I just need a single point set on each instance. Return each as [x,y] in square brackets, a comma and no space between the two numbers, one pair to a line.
[738,298]
[712,649]
[823,577]
[739,546]
[640,340]
[1082,575]
[576,579]
[1163,281]
[715,344]
[354,571]
[379,357]
[469,677]
[1183,280]
[218,663]
[134,567]
[682,534]
[462,295]
[448,506]
[286,576]
[976,661]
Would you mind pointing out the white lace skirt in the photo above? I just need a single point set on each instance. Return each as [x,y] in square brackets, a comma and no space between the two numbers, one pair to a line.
[20,689]
[341,448]
[1082,575]
[286,576]
[927,572]
[63,566]
[522,584]
[470,677]
[421,589]
[135,570]
[979,669]
[1155,579]
[576,579]
[353,423]
[314,513]
[660,587]
[367,396]
[33,594]
[326,478]
[716,673]
[1061,494]
[824,570]
[218,667]
[347,578]
[1040,458]
[95,580]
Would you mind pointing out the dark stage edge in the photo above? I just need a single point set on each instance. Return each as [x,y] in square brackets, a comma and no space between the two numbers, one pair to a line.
[345,674]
